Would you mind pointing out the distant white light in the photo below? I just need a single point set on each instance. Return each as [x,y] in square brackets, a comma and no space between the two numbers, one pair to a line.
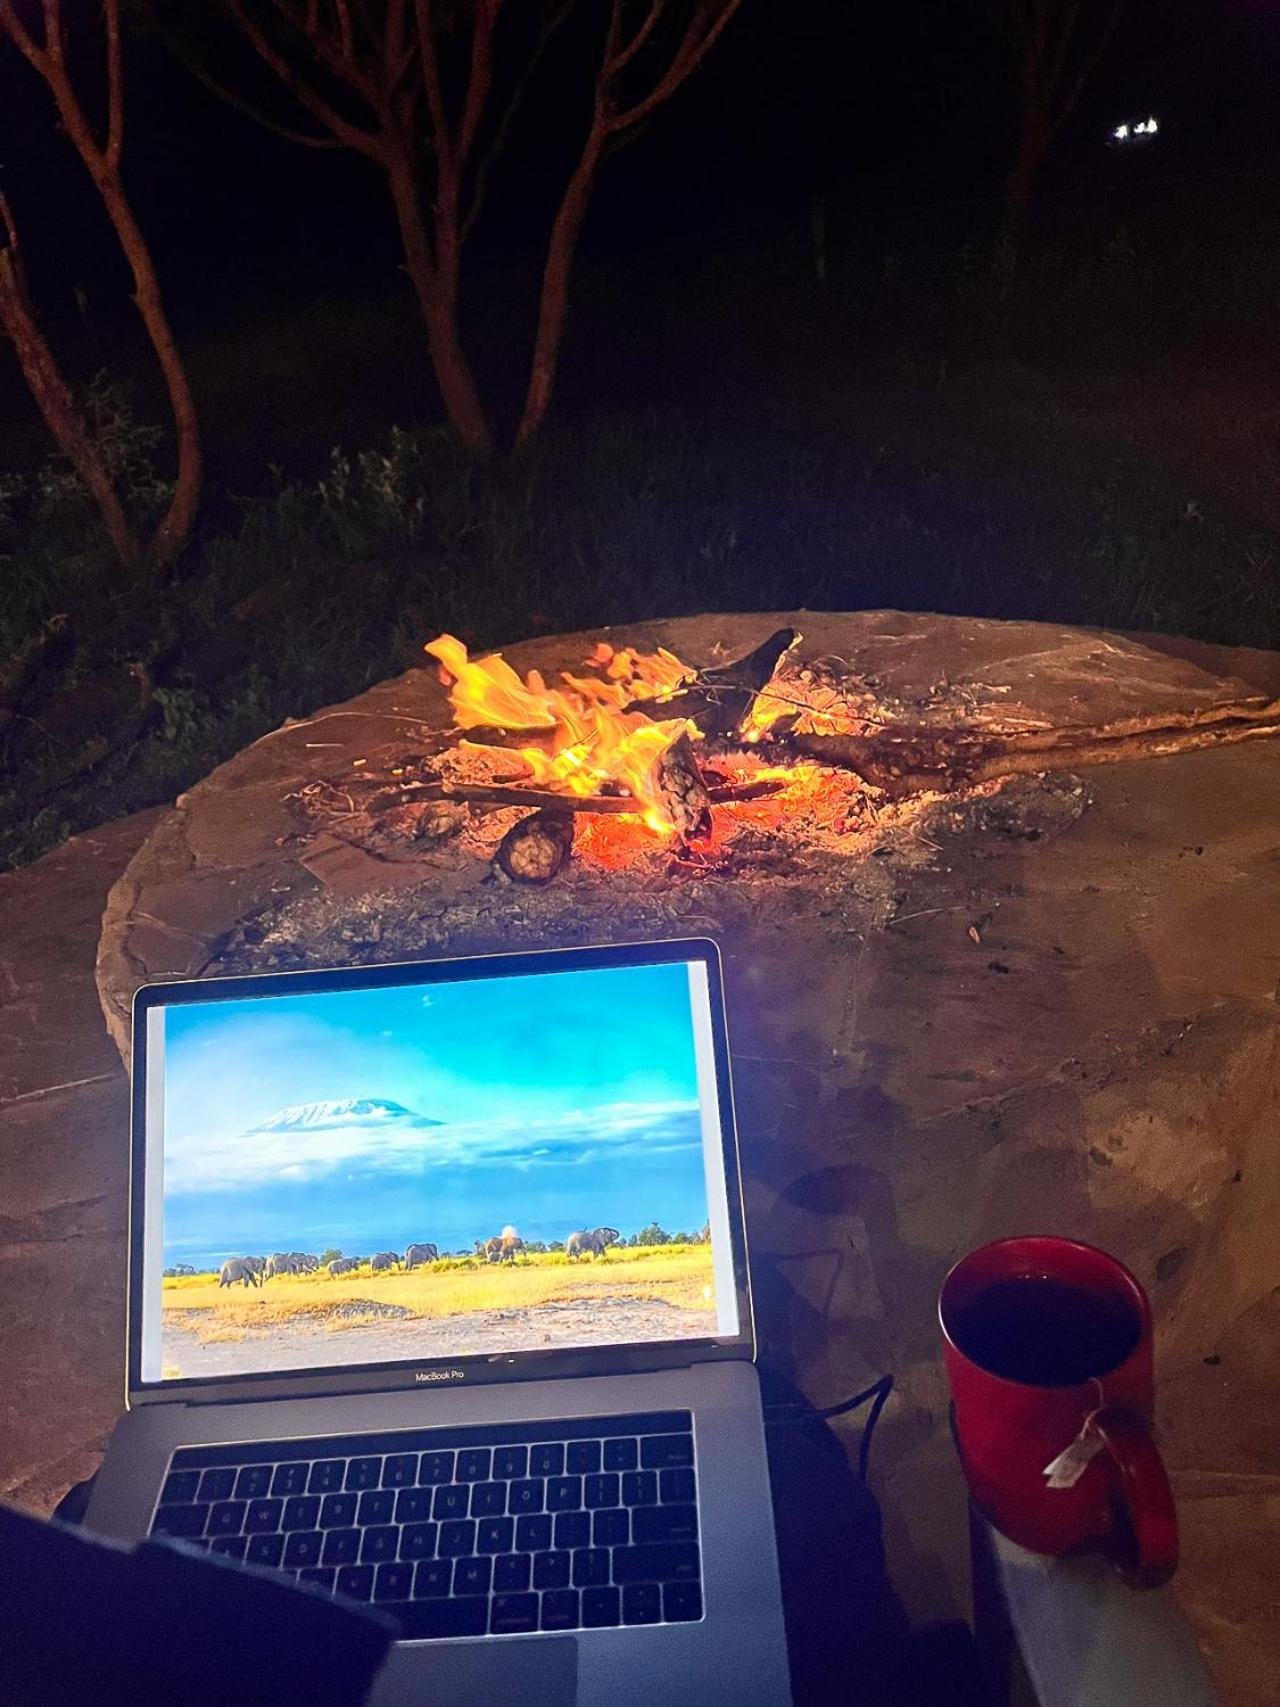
[1139,130]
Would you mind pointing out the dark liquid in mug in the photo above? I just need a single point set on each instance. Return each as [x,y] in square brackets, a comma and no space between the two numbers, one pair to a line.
[1043,1332]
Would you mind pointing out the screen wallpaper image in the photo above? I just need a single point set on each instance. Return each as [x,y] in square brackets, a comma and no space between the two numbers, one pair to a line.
[428,1172]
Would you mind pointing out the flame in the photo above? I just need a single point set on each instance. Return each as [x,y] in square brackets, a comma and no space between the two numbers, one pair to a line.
[597,743]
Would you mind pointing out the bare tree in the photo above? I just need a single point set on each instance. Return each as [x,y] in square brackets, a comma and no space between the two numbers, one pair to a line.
[413,86]
[45,50]
[1057,45]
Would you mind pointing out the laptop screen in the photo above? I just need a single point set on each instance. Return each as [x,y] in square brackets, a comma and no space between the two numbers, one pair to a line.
[432,1170]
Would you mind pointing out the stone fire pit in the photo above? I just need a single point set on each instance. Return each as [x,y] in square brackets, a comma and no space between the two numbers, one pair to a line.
[1039,1001]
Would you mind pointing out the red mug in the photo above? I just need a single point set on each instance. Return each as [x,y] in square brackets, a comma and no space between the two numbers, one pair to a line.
[1048,1349]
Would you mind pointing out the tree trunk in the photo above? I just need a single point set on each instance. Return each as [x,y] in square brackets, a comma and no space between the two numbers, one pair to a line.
[436,286]
[53,399]
[553,306]
[179,519]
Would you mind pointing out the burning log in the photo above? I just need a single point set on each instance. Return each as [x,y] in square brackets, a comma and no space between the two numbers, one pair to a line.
[684,794]
[535,850]
[546,799]
[718,699]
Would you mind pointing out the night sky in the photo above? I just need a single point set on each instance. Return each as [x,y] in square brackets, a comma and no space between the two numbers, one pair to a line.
[883,110]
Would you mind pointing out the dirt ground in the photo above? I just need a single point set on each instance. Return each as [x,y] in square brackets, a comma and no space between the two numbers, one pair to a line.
[301,1345]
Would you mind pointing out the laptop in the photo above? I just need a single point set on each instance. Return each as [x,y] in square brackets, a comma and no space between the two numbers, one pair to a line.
[439,1300]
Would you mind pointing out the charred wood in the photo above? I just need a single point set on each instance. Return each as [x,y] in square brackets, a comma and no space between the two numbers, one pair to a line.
[684,794]
[537,848]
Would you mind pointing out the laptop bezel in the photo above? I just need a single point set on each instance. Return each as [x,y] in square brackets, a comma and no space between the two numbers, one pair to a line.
[436,1374]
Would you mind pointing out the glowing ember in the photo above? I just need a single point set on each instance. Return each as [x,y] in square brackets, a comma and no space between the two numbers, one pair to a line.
[597,745]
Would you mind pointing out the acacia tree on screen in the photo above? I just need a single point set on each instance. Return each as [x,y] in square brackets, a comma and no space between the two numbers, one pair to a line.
[428,92]
[43,44]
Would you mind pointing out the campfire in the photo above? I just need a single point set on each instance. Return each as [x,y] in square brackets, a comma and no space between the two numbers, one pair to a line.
[635,754]
[634,757]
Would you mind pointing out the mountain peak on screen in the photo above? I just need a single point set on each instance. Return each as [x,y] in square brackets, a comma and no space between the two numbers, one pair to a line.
[344,1111]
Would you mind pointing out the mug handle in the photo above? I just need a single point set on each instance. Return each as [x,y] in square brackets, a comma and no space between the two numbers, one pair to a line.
[1145,1549]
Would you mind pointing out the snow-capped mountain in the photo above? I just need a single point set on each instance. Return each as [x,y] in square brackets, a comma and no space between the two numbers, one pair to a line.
[344,1112]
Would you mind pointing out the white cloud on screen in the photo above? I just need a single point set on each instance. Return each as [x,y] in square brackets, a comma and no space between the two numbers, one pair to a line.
[315,1139]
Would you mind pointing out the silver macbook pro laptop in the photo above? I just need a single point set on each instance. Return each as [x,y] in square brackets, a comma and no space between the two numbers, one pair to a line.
[438,1299]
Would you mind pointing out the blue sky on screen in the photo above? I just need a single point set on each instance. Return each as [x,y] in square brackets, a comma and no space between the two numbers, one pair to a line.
[440,1112]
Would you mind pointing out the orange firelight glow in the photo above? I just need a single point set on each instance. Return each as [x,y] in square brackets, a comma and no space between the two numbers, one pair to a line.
[596,744]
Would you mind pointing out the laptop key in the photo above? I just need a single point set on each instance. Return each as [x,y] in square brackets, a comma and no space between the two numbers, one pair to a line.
[681,1602]
[417,1540]
[640,1487]
[472,1576]
[678,1487]
[456,1539]
[187,1521]
[338,1511]
[303,1548]
[600,1607]
[376,1506]
[326,1476]
[641,1603]
[435,1467]
[533,1534]
[289,1479]
[582,1457]
[394,1581]
[674,1562]
[461,1615]
[495,1535]
[511,1573]
[263,1516]
[217,1484]
[379,1544]
[621,1455]
[657,1451]
[364,1473]
[552,1570]
[560,1609]
[600,1490]
[591,1566]
[264,1550]
[253,1482]
[432,1578]
[355,1581]
[451,1501]
[413,1505]
[322,1576]
[525,1497]
[564,1493]
[301,1512]
[573,1529]
[512,1461]
[510,1614]
[546,1459]
[665,1523]
[230,1546]
[474,1465]
[400,1470]
[612,1528]
[488,1499]
[341,1547]
[226,1518]
[181,1485]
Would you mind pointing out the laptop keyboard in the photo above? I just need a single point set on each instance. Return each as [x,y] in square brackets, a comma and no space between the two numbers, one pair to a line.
[484,1530]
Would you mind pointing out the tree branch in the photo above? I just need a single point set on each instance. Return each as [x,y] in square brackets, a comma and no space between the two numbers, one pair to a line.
[700,37]
[350,135]
[21,37]
[178,48]
[501,135]
[624,56]
[430,63]
[115,83]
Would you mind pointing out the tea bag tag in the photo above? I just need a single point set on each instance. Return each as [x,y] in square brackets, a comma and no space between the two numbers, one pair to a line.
[1071,1463]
